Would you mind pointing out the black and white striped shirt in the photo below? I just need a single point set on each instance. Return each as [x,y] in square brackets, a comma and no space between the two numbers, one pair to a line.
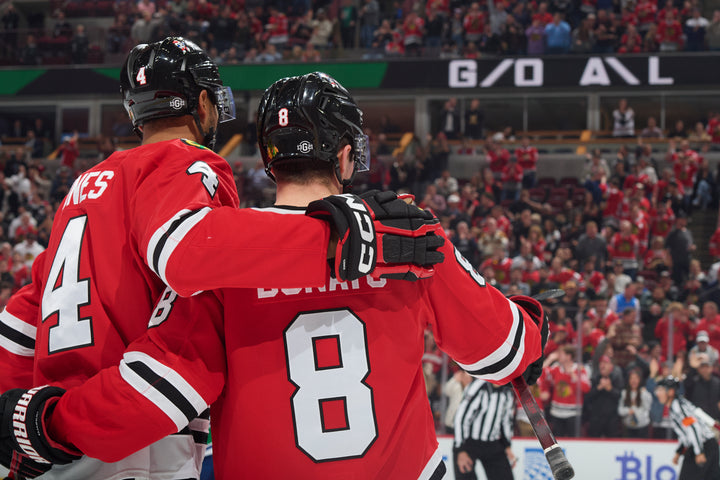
[485,413]
[691,431]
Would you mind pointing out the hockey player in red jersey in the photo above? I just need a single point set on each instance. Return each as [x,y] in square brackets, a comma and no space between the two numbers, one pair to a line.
[305,383]
[162,213]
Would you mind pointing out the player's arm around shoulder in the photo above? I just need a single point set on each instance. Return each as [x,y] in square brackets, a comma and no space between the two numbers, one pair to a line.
[490,336]
[166,378]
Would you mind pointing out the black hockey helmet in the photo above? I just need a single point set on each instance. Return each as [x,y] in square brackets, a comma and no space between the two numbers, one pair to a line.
[308,117]
[165,78]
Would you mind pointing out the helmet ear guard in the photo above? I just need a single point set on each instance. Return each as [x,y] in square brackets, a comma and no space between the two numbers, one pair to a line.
[309,117]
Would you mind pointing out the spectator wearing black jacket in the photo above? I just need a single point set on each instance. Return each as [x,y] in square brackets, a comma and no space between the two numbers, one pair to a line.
[702,387]
[600,405]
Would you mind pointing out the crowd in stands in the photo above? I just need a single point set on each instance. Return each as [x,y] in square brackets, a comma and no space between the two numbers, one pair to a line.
[638,303]
[238,31]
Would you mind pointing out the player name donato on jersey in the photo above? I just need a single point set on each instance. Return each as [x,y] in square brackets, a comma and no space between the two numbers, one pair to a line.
[90,185]
[333,285]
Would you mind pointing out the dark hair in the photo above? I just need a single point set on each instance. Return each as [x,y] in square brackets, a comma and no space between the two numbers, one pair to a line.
[628,398]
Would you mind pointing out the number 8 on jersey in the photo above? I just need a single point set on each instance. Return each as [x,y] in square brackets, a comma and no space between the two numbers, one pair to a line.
[333,409]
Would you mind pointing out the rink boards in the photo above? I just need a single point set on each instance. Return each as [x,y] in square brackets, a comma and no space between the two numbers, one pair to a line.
[592,459]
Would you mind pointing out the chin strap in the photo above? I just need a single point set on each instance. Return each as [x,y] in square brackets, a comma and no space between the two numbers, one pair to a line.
[209,137]
[346,183]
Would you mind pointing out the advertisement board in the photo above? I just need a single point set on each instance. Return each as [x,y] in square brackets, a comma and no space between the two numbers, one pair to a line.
[592,459]
[559,72]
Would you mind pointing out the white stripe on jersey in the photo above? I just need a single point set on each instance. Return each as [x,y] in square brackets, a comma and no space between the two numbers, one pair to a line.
[172,240]
[431,465]
[200,425]
[503,351]
[16,327]
[155,396]
[288,211]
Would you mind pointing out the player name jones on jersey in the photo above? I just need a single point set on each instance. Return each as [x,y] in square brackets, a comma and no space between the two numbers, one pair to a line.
[90,185]
[332,286]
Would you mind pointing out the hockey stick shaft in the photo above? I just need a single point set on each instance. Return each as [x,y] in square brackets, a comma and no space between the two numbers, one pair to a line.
[559,464]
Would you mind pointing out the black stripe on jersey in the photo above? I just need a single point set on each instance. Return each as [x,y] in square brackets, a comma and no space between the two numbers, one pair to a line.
[164,238]
[465,410]
[500,364]
[165,388]
[16,336]
[198,436]
[439,472]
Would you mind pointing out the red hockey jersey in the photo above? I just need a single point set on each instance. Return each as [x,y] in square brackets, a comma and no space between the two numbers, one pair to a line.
[306,383]
[160,213]
[116,237]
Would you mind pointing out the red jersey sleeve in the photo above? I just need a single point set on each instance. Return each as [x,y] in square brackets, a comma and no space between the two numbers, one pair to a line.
[489,335]
[195,238]
[166,379]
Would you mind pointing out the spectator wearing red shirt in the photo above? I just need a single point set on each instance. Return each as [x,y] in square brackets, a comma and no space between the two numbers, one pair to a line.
[630,42]
[638,218]
[625,246]
[656,258]
[591,338]
[710,323]
[512,176]
[204,10]
[497,158]
[713,127]
[542,14]
[527,157]
[601,315]
[560,274]
[442,7]
[685,169]
[413,31]
[645,10]
[670,34]
[592,280]
[628,16]
[69,150]
[278,28]
[563,378]
[613,197]
[558,337]
[681,329]
[503,222]
[667,8]
[474,23]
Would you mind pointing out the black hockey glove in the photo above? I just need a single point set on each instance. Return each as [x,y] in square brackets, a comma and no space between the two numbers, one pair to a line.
[25,448]
[533,307]
[381,234]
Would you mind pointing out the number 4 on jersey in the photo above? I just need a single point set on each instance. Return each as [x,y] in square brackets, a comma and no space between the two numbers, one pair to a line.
[65,292]
[209,177]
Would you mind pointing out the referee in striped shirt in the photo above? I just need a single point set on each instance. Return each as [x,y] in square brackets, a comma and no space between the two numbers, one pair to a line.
[697,442]
[483,429]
